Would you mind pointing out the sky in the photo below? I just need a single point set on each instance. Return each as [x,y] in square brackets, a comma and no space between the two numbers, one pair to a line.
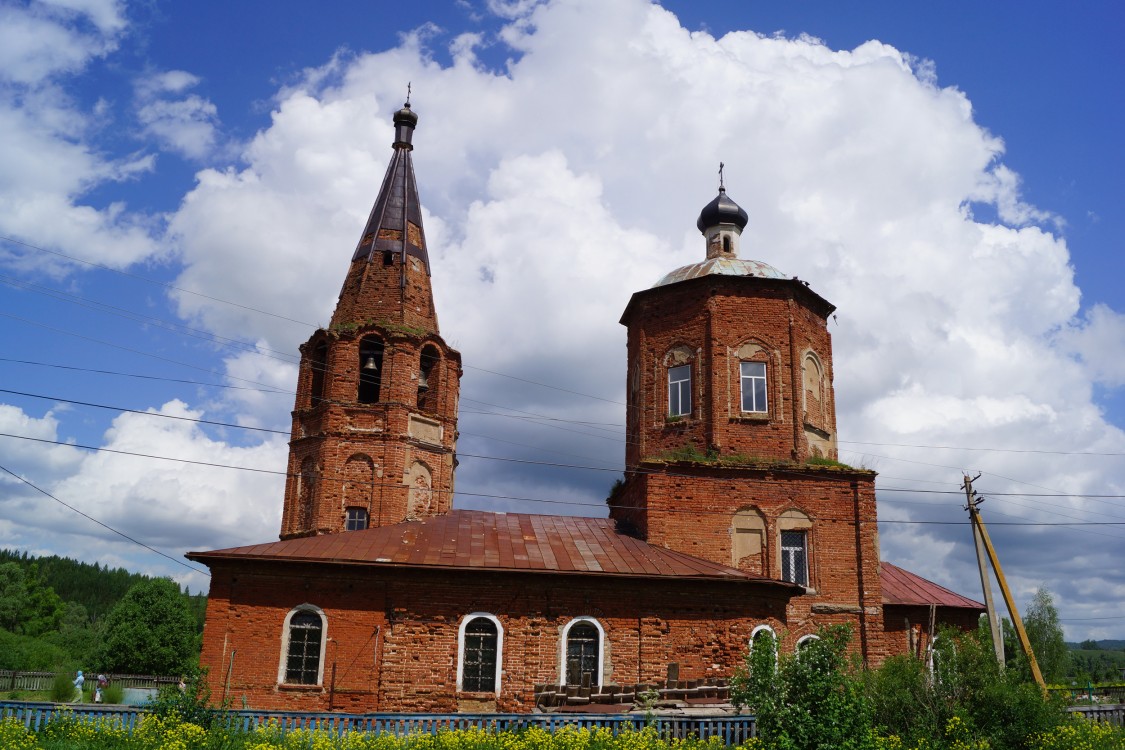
[182,185]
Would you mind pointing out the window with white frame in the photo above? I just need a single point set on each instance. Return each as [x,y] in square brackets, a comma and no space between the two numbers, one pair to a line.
[753,378]
[303,652]
[679,391]
[804,641]
[795,557]
[481,641]
[762,636]
[355,519]
[582,651]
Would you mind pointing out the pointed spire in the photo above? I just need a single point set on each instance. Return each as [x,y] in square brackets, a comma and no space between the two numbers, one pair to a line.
[389,276]
[395,223]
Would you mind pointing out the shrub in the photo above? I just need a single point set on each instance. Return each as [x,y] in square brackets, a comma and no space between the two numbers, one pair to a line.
[113,693]
[817,698]
[968,692]
[190,705]
[1082,733]
[62,688]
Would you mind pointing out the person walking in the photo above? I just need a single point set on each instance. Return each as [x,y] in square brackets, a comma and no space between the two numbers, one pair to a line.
[79,681]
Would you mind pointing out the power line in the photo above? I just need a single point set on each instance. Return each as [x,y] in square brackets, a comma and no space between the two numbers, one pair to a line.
[104,525]
[990,450]
[144,377]
[132,351]
[529,499]
[312,326]
[145,413]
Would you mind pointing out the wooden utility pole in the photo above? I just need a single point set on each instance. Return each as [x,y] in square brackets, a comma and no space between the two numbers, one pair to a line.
[979,528]
[972,500]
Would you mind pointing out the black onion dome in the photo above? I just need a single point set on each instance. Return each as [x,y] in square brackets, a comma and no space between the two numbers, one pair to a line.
[405,121]
[722,210]
[406,116]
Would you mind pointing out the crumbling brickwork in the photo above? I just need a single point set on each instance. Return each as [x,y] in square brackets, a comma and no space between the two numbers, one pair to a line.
[393,633]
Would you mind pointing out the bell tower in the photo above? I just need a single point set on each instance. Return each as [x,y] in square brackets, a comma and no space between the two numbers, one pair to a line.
[375,422]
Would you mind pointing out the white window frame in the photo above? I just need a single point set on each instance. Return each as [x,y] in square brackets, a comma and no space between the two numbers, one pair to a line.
[348,518]
[684,392]
[601,647]
[802,641]
[786,550]
[743,378]
[283,663]
[758,629]
[776,641]
[461,646]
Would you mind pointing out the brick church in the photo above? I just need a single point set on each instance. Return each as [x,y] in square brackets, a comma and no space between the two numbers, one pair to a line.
[734,519]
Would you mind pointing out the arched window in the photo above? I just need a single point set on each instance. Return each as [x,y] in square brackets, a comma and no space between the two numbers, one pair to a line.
[420,500]
[805,640]
[428,378]
[764,632]
[359,481]
[319,366]
[748,537]
[302,646]
[762,636]
[355,519]
[481,645]
[370,370]
[582,651]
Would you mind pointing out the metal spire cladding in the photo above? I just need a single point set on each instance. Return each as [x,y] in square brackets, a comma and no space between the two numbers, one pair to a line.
[388,279]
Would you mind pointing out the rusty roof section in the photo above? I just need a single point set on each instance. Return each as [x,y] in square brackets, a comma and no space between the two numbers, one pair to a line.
[903,587]
[484,541]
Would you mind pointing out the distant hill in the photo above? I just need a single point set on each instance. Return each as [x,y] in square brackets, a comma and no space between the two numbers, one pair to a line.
[1105,645]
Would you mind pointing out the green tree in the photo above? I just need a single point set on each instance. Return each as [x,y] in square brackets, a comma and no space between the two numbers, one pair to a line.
[150,631]
[1046,636]
[27,604]
[815,700]
[13,596]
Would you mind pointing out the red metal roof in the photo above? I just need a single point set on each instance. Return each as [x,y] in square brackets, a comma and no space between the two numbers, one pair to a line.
[479,540]
[903,587]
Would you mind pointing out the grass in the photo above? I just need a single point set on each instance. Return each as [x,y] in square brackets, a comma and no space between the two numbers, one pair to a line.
[688,453]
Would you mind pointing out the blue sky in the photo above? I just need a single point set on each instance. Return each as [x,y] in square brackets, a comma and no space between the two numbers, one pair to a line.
[949,176]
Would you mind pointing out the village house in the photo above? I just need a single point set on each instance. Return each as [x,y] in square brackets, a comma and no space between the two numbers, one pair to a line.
[735,517]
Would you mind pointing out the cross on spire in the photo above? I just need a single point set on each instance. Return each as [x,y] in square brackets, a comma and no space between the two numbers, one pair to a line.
[721,165]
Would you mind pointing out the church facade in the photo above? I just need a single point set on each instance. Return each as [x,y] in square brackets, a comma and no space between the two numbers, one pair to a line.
[735,517]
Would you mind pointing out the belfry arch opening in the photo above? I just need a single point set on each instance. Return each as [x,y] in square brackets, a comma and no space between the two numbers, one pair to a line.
[319,366]
[370,370]
[428,378]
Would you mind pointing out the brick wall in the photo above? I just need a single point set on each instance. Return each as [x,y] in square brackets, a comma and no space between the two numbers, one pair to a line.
[722,321]
[394,632]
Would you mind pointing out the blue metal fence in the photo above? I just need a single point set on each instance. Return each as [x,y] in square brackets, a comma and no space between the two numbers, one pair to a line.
[733,730]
